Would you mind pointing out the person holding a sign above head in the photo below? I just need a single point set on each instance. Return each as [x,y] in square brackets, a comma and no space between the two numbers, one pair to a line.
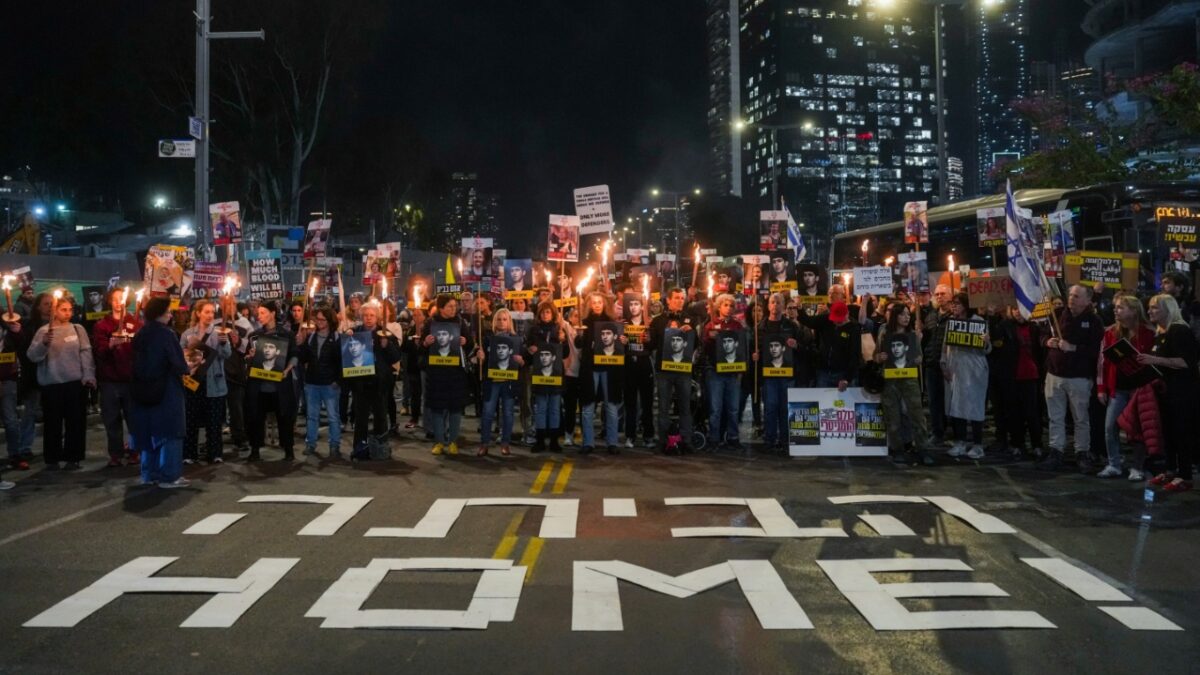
[1175,354]
[964,366]
[899,352]
[265,394]
[320,354]
[601,371]
[1119,374]
[501,383]
[445,378]
[205,349]
[724,384]
[112,340]
[63,354]
[776,333]
[1071,362]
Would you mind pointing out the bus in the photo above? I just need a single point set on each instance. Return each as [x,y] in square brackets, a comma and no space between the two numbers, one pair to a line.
[1107,217]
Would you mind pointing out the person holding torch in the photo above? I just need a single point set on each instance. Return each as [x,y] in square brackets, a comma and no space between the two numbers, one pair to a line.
[112,340]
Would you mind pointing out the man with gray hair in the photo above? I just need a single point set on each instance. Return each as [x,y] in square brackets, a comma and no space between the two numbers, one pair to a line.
[1070,373]
[935,382]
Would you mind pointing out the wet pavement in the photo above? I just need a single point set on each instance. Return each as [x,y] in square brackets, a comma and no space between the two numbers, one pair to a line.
[62,533]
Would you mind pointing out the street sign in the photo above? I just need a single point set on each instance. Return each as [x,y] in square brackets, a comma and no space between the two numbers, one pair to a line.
[196,127]
[177,149]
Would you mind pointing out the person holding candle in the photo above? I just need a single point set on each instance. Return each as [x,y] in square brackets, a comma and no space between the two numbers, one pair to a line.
[112,339]
[158,411]
[599,383]
[723,388]
[446,385]
[63,354]
[639,371]
[321,355]
[205,349]
[267,396]
[673,387]
[10,333]
[498,395]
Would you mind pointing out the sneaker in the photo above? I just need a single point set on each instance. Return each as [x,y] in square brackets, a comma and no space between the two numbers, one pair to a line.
[437,449]
[7,485]
[1178,485]
[629,442]
[957,450]
[188,461]
[1136,475]
[452,449]
[1052,462]
[1110,471]
[179,483]
[976,452]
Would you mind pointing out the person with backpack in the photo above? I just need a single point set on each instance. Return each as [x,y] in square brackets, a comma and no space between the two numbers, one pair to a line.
[158,403]
[63,354]
[205,349]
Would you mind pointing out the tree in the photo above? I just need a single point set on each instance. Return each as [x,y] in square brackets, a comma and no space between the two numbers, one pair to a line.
[1083,146]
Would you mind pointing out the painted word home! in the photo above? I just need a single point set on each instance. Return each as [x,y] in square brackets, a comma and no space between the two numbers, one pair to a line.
[596,604]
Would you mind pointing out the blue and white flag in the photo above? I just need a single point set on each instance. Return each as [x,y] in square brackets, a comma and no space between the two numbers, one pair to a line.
[795,240]
[1024,267]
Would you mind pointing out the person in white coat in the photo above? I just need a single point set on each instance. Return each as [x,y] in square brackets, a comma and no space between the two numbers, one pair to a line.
[965,369]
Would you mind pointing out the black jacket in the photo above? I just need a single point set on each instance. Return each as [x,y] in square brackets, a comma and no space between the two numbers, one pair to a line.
[839,348]
[324,368]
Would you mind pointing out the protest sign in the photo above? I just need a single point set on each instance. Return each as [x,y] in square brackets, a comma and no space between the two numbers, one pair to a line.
[316,238]
[562,240]
[226,219]
[207,280]
[266,277]
[965,333]
[477,258]
[914,271]
[1178,224]
[1116,270]
[826,422]
[916,222]
[169,271]
[270,358]
[874,280]
[772,227]
[995,289]
[593,206]
[991,226]
[358,354]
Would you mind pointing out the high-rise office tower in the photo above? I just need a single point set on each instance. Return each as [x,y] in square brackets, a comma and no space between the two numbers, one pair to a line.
[999,32]
[724,98]
[838,109]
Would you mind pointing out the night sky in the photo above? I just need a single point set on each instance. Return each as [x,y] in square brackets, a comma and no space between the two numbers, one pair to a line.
[536,97]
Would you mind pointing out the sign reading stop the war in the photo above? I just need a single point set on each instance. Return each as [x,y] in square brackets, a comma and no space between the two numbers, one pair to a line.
[996,289]
[1116,270]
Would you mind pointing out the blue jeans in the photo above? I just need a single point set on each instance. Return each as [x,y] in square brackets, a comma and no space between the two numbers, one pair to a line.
[775,418]
[612,413]
[723,395]
[162,462]
[546,408]
[8,413]
[498,394]
[1112,436]
[331,396]
[444,424]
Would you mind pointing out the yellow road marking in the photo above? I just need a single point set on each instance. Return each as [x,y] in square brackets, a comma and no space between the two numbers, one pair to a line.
[544,475]
[508,541]
[564,475]
[530,557]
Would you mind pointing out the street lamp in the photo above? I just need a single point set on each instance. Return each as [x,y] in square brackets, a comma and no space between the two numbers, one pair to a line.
[160,202]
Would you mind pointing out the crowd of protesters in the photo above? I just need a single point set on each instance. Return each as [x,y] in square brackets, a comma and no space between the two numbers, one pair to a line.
[1056,394]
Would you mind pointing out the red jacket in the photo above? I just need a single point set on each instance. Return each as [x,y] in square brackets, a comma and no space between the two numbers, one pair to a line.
[1106,372]
[114,363]
[1141,419]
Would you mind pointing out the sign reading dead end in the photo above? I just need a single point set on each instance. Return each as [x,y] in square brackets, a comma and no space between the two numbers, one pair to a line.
[996,289]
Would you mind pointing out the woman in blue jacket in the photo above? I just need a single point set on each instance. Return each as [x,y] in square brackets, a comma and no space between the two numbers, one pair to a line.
[158,410]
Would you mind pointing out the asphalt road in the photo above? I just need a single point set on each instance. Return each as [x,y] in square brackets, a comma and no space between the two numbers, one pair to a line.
[62,532]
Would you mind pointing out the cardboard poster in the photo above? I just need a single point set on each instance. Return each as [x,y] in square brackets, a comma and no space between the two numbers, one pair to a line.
[777,359]
[562,240]
[208,278]
[93,303]
[847,424]
[226,221]
[168,272]
[876,280]
[678,348]
[500,363]
[266,276]
[316,238]
[519,283]
[916,223]
[477,259]
[966,333]
[1178,225]
[607,349]
[991,226]
[547,366]
[754,274]
[772,228]
[358,354]
[780,274]
[914,271]
[730,352]
[1116,270]
[593,206]
[993,290]
[446,349]
[666,265]
[270,358]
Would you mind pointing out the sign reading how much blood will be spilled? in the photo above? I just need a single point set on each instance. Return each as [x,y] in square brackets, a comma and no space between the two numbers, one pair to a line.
[1178,224]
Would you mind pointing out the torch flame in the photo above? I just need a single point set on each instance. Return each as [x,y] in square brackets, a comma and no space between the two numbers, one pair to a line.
[889,260]
[587,279]
[950,258]
[866,243]
[549,278]
[382,288]
[58,293]
[646,287]
[460,265]
[697,256]
[125,296]
[417,295]
[138,296]
[8,279]
[712,280]
[846,279]
[230,282]
[312,289]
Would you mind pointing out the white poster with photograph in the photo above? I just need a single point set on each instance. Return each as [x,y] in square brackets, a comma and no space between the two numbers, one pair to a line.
[316,238]
[828,423]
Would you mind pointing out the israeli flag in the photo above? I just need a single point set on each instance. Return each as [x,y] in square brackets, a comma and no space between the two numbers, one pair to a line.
[793,234]
[1024,266]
